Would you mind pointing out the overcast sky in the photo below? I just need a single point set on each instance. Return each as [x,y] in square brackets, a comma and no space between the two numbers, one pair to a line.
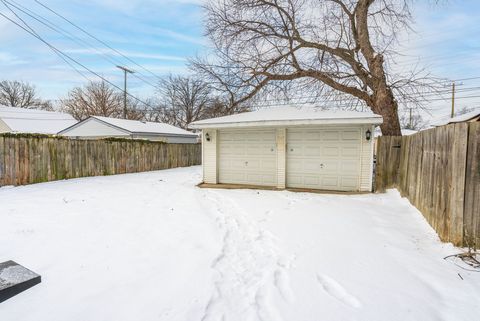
[161,34]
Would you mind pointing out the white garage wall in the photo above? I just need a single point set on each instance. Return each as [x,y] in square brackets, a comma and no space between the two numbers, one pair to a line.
[366,170]
[3,127]
[94,128]
[210,157]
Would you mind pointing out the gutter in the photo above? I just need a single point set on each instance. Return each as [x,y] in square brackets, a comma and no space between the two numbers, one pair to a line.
[283,123]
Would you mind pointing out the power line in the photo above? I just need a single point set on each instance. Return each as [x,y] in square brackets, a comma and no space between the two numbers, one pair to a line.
[34,34]
[97,39]
[72,37]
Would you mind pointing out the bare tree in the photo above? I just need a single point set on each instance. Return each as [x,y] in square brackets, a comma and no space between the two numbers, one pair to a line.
[464,110]
[183,100]
[411,120]
[21,94]
[335,50]
[98,99]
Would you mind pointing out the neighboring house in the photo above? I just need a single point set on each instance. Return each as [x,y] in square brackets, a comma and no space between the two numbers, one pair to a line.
[290,147]
[465,118]
[96,127]
[33,121]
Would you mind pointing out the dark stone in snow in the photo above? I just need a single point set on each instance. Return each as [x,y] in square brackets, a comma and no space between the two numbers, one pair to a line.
[15,279]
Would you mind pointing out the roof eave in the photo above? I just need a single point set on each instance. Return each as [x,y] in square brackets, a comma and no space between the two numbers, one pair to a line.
[166,134]
[278,123]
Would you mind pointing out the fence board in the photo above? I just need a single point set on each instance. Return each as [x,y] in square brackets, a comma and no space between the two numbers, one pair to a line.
[472,188]
[33,159]
[438,170]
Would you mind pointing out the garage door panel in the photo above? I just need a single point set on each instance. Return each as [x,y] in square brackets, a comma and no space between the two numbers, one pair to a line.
[348,166]
[331,162]
[350,135]
[330,182]
[331,135]
[350,151]
[247,157]
[311,150]
[331,151]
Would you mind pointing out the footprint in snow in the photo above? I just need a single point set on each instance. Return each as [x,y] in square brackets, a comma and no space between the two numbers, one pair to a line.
[334,289]
[281,282]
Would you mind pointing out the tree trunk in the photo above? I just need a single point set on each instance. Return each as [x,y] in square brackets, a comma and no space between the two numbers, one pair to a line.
[386,106]
[383,102]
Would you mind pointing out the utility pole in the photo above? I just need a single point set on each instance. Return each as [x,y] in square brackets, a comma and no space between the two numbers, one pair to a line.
[411,121]
[453,100]
[125,71]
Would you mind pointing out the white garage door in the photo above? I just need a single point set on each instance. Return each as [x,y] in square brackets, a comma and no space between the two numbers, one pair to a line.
[247,157]
[323,158]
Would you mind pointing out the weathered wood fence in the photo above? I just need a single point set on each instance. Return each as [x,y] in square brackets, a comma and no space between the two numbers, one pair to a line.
[27,159]
[438,170]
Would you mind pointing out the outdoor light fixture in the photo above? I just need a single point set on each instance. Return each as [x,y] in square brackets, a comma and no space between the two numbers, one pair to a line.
[207,137]
[368,135]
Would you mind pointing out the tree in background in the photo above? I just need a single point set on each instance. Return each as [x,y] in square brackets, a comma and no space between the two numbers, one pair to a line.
[413,121]
[337,50]
[185,99]
[98,99]
[464,110]
[21,94]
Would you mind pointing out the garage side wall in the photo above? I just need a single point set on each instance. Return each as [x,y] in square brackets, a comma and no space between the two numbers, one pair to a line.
[3,127]
[366,161]
[209,156]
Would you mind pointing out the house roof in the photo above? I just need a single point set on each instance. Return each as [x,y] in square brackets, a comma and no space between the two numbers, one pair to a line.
[140,127]
[289,115]
[23,120]
[458,119]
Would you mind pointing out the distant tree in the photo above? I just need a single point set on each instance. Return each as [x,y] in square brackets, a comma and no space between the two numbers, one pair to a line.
[339,50]
[464,110]
[98,99]
[183,100]
[219,106]
[412,121]
[21,94]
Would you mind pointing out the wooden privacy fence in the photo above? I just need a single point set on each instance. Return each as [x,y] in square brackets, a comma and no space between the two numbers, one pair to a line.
[27,159]
[438,170]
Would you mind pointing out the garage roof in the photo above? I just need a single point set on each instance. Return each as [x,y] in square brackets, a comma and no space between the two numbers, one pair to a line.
[29,120]
[288,116]
[137,127]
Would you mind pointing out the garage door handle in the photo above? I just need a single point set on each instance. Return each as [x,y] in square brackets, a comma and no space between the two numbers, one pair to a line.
[246,163]
[321,165]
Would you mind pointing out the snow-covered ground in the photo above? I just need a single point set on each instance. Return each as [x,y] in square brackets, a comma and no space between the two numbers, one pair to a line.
[152,246]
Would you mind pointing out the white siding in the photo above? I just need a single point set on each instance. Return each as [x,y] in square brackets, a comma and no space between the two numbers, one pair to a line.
[93,128]
[181,140]
[366,171]
[281,157]
[3,127]
[209,156]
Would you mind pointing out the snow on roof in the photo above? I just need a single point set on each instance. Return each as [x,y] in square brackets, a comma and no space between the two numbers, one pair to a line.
[290,114]
[457,119]
[137,126]
[35,121]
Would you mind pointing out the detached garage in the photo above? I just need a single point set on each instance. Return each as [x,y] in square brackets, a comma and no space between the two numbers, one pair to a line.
[289,147]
